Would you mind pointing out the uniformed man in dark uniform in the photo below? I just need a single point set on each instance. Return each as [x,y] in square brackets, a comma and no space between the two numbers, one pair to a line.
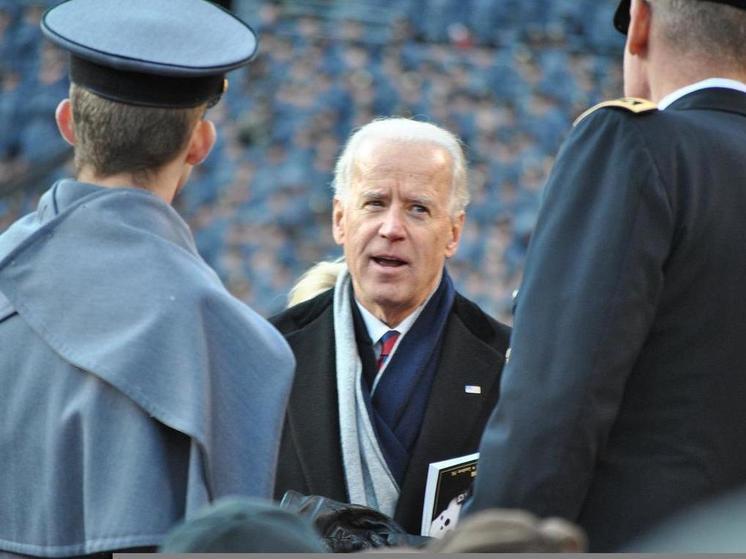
[133,387]
[623,400]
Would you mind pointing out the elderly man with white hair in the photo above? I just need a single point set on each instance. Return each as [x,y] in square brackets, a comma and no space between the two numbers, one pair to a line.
[395,368]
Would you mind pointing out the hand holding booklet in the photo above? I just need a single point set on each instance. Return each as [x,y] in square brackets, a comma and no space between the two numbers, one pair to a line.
[448,482]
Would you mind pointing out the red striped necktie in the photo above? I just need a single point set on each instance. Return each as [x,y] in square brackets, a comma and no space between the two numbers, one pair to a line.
[387,341]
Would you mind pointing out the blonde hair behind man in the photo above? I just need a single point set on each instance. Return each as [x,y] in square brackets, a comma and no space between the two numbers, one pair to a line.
[317,279]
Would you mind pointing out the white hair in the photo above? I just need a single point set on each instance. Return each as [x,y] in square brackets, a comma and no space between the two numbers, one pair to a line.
[405,130]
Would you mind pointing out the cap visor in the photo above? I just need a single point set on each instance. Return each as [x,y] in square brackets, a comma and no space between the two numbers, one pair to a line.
[621,17]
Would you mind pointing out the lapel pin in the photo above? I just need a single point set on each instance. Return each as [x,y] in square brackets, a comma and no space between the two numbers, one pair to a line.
[472,389]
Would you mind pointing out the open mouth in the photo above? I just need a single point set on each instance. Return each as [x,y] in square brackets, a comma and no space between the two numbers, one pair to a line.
[388,261]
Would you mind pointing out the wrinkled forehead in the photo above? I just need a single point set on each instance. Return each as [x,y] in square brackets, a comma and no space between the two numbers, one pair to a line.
[382,158]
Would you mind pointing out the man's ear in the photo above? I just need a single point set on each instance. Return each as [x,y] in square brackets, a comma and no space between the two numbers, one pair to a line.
[338,229]
[457,227]
[638,33]
[64,117]
[201,142]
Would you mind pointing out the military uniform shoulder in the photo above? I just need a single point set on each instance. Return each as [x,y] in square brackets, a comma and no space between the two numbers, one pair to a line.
[631,104]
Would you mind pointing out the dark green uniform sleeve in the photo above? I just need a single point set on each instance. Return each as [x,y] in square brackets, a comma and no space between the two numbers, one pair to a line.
[593,276]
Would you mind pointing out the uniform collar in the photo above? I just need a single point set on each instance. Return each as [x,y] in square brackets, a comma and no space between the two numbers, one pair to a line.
[722,83]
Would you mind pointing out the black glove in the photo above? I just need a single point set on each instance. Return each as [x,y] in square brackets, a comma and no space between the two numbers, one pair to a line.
[346,527]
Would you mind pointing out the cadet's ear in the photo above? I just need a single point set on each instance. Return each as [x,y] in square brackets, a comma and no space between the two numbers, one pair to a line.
[638,33]
[202,140]
[64,117]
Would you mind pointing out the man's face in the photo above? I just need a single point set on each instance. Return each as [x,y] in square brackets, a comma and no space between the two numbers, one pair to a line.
[395,224]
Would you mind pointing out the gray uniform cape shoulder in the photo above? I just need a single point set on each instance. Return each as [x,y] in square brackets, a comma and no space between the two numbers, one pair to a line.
[110,281]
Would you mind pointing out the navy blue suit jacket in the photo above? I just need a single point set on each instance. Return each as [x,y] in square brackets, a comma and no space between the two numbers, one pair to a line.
[623,400]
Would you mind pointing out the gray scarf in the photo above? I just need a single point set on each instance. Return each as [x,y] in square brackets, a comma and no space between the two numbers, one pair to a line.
[369,481]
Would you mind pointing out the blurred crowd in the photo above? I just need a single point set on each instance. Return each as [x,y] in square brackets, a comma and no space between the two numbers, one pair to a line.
[507,76]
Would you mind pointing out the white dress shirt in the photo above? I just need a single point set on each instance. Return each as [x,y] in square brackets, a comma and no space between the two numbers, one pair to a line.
[376,329]
[704,84]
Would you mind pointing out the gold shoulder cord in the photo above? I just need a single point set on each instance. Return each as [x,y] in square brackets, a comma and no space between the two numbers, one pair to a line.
[632,104]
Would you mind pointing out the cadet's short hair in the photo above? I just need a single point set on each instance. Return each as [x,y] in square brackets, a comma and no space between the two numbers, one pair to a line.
[715,30]
[406,130]
[113,138]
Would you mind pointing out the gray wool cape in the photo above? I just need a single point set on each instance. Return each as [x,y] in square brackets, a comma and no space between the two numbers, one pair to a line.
[133,387]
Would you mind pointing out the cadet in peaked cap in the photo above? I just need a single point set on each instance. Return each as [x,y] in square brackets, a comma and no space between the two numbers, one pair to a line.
[154,53]
[161,391]
[622,402]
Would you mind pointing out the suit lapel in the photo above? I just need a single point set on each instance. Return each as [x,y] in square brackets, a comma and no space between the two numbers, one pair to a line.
[313,413]
[453,420]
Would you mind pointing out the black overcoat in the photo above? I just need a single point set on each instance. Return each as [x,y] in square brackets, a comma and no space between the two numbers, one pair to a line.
[473,353]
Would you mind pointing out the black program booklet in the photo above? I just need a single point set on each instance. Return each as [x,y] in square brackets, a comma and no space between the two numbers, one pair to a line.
[448,482]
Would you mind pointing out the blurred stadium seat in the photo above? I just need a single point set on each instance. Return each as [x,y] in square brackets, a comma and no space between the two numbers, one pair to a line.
[508,76]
